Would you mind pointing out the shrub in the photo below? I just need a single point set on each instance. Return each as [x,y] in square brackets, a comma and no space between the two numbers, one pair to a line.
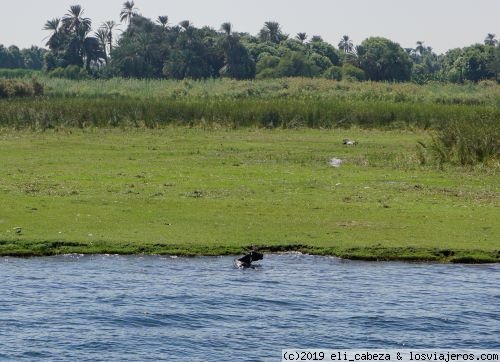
[334,73]
[266,66]
[38,88]
[321,61]
[10,88]
[350,72]
[73,72]
[466,143]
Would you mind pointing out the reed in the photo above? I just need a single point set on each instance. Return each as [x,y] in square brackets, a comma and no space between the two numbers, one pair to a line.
[465,143]
[291,112]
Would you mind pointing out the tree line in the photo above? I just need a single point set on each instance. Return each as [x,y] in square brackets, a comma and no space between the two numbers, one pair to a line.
[157,49]
[15,58]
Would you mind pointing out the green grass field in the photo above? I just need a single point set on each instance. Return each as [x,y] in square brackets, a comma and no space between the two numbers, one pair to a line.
[213,191]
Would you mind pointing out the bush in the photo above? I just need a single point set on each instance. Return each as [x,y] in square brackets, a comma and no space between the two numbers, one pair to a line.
[334,73]
[10,88]
[350,72]
[73,72]
[38,88]
[266,66]
[296,64]
[322,62]
[466,143]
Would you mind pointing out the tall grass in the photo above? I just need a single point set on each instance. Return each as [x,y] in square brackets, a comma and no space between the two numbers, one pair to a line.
[19,73]
[465,143]
[287,113]
[487,94]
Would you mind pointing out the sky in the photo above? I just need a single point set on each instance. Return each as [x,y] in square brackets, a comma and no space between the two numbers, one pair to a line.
[441,24]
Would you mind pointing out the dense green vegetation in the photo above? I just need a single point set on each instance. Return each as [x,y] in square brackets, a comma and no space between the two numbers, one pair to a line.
[184,140]
[215,190]
[157,49]
[15,58]
[465,116]
[6,73]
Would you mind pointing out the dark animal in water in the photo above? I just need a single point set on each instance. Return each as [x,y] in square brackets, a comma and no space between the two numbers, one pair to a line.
[246,261]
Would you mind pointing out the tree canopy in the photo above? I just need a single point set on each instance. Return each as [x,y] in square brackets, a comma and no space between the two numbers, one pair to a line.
[146,48]
[382,59]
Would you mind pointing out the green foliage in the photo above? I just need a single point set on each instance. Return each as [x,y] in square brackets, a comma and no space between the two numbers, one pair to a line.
[70,42]
[271,32]
[326,50]
[193,58]
[465,142]
[141,50]
[18,73]
[419,74]
[322,62]
[73,72]
[292,64]
[347,72]
[333,73]
[384,60]
[427,64]
[296,64]
[352,73]
[282,103]
[15,58]
[238,63]
[472,63]
[494,66]
[154,49]
[261,50]
[475,62]
[266,67]
[291,45]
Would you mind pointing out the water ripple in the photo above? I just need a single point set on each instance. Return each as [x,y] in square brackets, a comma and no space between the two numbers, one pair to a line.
[109,307]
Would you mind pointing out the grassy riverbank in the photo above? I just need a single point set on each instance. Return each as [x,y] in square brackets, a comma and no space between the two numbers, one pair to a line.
[212,191]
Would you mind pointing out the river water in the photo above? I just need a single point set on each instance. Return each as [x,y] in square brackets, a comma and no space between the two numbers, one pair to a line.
[104,308]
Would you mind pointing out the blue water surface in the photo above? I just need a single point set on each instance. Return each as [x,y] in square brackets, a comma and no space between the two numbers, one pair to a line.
[118,308]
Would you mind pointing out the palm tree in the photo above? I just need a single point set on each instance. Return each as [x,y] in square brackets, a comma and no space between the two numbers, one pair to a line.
[346,44]
[229,41]
[490,40]
[128,11]
[92,51]
[420,49]
[74,19]
[52,25]
[110,26]
[302,37]
[271,32]
[316,39]
[352,57]
[227,28]
[102,36]
[163,21]
[186,24]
